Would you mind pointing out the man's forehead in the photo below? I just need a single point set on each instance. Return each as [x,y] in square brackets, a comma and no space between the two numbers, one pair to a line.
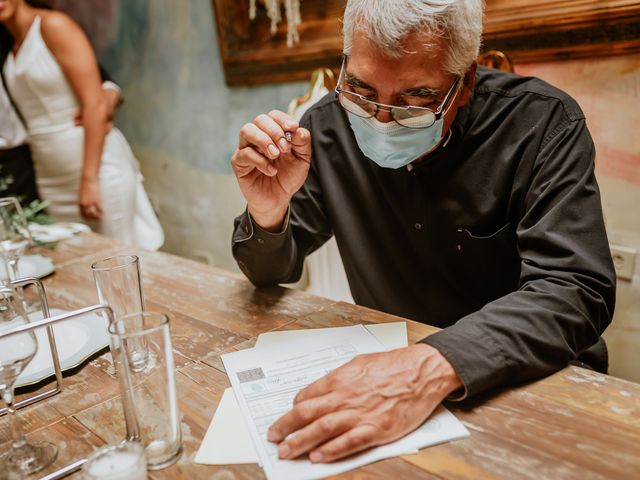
[415,66]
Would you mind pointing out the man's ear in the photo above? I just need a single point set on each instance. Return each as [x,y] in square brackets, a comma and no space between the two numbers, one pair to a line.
[469,83]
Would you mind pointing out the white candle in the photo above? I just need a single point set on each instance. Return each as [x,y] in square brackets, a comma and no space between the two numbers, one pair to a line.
[118,462]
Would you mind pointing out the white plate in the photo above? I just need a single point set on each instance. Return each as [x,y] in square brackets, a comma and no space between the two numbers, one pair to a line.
[37,266]
[76,340]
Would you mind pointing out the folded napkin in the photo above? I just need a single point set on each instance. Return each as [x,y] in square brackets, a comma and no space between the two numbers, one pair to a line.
[56,231]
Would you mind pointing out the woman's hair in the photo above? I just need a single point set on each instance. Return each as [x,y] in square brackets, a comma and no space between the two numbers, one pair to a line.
[388,23]
[47,4]
[6,40]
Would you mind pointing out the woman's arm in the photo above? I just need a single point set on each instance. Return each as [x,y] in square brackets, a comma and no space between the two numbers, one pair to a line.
[75,56]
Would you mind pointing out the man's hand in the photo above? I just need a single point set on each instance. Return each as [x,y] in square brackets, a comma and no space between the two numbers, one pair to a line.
[372,400]
[112,98]
[269,168]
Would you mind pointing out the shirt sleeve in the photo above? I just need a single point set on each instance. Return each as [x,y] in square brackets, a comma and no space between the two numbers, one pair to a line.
[268,259]
[566,291]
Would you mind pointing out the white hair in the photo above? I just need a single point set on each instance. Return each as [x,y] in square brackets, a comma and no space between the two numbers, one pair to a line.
[388,23]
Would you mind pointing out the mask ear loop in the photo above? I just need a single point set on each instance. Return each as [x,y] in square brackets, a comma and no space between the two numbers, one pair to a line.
[446,137]
[449,133]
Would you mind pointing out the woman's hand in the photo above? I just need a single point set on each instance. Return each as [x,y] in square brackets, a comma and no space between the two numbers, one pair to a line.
[89,199]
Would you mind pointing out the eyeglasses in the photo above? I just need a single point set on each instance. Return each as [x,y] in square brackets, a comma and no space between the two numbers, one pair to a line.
[407,116]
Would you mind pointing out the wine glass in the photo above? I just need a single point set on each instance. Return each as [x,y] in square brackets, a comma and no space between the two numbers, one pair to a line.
[14,238]
[16,351]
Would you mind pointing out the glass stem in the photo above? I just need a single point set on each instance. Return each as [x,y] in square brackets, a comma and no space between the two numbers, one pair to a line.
[13,265]
[18,439]
[15,274]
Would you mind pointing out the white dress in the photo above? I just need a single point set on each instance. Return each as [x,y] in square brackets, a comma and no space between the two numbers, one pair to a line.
[48,104]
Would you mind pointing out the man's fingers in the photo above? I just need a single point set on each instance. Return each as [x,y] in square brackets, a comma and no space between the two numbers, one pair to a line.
[247,159]
[251,135]
[286,122]
[353,441]
[301,142]
[320,387]
[320,431]
[299,416]
[274,130]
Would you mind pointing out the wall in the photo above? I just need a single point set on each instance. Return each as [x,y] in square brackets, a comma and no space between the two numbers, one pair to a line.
[608,91]
[181,119]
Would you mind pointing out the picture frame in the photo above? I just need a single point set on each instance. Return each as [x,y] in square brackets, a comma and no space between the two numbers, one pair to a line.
[526,30]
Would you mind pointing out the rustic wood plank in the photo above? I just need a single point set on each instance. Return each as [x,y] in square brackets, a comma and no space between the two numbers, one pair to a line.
[76,248]
[391,468]
[556,431]
[83,387]
[197,405]
[31,418]
[208,377]
[73,440]
[607,397]
[485,455]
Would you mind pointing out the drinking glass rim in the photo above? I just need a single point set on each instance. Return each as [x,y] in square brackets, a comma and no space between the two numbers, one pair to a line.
[164,321]
[95,266]
[112,448]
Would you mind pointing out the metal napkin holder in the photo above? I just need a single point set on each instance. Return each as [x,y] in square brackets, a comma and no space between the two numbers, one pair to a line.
[47,322]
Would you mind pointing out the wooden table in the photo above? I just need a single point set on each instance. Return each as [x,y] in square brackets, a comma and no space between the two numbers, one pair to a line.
[575,424]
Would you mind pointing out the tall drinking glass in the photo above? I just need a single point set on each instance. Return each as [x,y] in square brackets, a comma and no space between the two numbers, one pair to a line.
[118,284]
[149,391]
[15,238]
[14,234]
[16,351]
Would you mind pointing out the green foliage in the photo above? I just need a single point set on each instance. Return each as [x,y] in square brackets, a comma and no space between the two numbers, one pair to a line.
[34,212]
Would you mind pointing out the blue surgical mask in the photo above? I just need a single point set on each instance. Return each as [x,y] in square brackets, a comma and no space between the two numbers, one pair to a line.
[391,145]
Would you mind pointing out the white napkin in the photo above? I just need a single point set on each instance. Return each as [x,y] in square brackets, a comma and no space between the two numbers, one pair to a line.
[56,231]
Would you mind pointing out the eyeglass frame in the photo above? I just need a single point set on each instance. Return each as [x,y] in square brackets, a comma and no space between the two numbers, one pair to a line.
[437,114]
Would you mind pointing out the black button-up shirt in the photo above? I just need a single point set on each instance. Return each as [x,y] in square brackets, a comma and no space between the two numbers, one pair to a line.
[498,237]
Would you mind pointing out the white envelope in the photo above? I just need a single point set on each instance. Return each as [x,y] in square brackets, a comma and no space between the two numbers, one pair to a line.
[227,441]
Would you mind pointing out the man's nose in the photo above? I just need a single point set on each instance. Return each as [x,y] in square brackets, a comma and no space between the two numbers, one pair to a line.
[384,116]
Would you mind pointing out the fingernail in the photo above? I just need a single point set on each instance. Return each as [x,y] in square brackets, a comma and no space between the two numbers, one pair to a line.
[272,436]
[284,145]
[273,151]
[284,450]
[289,124]
[315,457]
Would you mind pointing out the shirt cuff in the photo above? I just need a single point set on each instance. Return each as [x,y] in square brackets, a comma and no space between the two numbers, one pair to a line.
[473,354]
[247,229]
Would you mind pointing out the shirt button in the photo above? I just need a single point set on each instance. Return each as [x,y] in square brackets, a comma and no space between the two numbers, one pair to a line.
[260,240]
[417,226]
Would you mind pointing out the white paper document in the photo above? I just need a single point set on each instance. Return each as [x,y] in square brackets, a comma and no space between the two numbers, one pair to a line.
[391,335]
[266,379]
[227,441]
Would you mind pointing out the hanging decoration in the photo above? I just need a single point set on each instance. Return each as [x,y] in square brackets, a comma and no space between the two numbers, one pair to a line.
[274,12]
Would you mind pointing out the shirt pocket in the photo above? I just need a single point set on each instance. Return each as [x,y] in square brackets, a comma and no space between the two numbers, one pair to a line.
[489,264]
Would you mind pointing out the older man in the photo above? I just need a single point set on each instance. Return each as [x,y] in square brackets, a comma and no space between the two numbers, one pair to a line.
[459,196]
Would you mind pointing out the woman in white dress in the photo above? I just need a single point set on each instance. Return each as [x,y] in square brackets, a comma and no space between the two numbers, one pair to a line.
[87,172]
